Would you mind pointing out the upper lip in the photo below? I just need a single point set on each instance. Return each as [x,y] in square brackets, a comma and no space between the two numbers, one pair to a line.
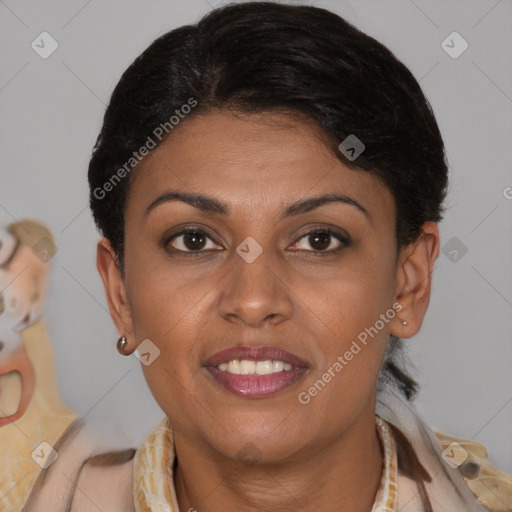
[254,353]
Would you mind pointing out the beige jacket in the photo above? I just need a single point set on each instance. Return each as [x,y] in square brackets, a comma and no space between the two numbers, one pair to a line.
[105,482]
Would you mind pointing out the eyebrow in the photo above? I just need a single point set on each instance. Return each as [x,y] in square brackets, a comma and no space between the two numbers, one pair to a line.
[212,205]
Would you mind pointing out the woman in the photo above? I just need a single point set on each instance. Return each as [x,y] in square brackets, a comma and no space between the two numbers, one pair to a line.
[268,183]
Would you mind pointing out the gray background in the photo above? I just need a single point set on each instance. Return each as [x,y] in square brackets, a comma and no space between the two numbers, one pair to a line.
[51,112]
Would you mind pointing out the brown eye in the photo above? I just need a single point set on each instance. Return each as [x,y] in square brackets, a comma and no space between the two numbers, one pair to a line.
[190,241]
[322,241]
[194,240]
[319,241]
[2,345]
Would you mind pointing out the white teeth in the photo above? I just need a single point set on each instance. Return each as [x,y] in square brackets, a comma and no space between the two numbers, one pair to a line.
[234,367]
[246,367]
[277,366]
[264,367]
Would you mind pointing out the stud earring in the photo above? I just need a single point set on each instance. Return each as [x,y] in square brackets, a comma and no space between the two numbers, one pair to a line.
[121,344]
[404,322]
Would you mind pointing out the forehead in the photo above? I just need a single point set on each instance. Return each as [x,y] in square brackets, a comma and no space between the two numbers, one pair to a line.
[248,159]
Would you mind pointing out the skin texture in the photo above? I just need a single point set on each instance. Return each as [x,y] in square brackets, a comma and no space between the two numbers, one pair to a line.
[192,306]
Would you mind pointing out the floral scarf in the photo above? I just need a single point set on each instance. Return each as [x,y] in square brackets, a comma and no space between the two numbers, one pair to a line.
[154,491]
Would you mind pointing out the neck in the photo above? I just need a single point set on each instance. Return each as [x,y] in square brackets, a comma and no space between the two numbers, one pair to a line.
[346,473]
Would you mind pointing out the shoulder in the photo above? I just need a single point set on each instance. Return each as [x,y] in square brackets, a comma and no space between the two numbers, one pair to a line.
[105,482]
[81,479]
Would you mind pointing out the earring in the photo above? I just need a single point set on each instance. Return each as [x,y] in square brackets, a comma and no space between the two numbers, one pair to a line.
[404,322]
[121,344]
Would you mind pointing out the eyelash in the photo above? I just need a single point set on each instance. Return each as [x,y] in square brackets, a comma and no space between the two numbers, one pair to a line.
[344,242]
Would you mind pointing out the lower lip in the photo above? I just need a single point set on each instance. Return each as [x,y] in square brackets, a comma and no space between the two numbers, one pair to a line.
[256,386]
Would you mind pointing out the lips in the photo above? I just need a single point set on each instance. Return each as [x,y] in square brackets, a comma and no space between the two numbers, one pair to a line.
[252,353]
[249,383]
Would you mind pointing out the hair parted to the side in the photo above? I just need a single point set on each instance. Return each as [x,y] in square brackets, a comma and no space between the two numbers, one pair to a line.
[263,56]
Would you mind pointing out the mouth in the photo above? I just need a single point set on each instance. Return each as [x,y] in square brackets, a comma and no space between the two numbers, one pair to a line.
[11,390]
[255,372]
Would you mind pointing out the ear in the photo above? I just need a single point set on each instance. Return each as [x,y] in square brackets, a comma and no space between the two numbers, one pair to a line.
[115,290]
[413,281]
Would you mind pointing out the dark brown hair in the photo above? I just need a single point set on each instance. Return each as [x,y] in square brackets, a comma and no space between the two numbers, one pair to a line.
[263,57]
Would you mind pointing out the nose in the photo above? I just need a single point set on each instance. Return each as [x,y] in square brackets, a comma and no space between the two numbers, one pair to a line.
[255,293]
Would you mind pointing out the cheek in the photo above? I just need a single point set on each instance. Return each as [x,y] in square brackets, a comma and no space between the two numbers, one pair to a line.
[170,304]
[164,306]
[175,317]
[355,329]
[334,304]
[351,295]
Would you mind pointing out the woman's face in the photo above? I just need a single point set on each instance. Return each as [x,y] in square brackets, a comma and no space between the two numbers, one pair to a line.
[249,275]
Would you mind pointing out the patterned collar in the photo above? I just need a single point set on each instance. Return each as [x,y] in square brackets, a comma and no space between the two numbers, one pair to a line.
[386,498]
[153,489]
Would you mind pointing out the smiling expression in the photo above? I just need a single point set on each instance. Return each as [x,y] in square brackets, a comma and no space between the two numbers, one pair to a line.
[325,270]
